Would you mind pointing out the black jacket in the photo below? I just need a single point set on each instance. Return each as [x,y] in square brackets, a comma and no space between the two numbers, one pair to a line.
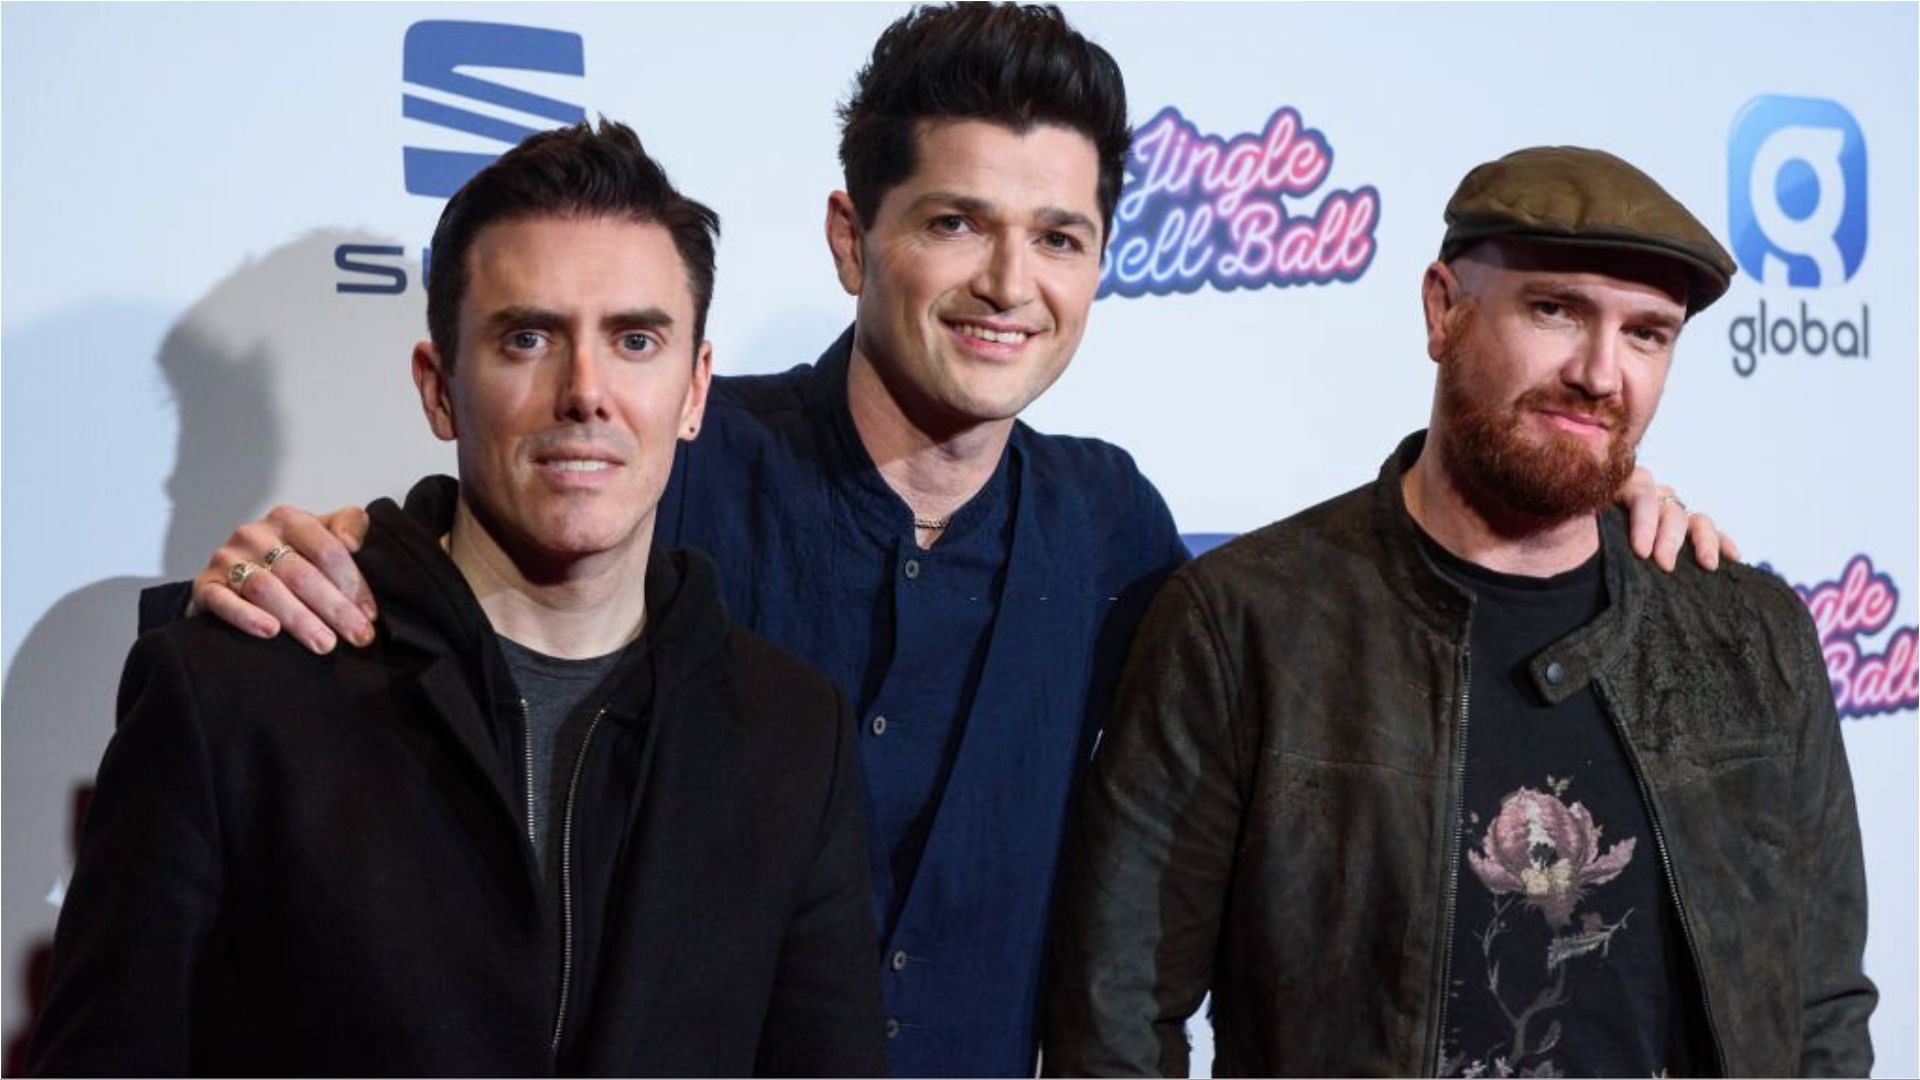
[303,864]
[1272,813]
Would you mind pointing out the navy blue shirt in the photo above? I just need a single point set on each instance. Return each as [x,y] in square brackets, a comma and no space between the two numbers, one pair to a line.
[931,612]
[981,670]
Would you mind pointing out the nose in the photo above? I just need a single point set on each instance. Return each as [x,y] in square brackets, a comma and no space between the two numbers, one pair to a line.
[582,392]
[1595,368]
[1005,279]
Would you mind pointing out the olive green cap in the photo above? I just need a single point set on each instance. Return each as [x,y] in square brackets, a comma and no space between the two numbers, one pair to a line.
[1572,195]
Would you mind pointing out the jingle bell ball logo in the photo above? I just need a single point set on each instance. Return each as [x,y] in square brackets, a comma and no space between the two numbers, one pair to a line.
[1200,210]
[1858,603]
[1797,217]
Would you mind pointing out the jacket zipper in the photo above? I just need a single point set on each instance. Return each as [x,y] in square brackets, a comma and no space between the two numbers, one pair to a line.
[1673,888]
[566,884]
[1453,855]
[526,730]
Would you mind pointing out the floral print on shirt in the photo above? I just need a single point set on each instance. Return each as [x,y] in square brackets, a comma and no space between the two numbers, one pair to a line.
[1540,855]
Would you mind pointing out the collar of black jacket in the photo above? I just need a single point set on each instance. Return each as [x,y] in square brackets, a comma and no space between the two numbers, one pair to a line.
[1569,664]
[426,604]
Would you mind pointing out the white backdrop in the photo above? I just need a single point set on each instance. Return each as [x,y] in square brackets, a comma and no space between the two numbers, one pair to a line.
[179,183]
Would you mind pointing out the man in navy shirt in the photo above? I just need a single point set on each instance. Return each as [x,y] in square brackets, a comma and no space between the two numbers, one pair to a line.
[971,583]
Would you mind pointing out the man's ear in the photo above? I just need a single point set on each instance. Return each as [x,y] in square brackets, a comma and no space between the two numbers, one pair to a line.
[435,384]
[695,408]
[1439,292]
[843,239]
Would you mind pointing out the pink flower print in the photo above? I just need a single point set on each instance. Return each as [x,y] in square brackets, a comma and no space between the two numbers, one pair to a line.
[1547,852]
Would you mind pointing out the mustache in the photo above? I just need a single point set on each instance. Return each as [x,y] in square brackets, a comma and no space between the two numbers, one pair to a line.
[575,438]
[1607,412]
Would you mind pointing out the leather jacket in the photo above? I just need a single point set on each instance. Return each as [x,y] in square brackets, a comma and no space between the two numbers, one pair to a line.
[1273,813]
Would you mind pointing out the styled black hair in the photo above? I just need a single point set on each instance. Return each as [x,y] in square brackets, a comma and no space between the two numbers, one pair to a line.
[568,172]
[1012,64]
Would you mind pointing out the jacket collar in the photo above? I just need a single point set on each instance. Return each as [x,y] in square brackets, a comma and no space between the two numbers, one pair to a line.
[1561,670]
[427,605]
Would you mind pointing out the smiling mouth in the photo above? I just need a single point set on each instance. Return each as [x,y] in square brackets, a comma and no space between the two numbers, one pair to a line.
[987,333]
[578,465]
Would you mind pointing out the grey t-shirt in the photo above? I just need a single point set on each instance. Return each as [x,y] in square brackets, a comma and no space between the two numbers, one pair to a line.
[562,696]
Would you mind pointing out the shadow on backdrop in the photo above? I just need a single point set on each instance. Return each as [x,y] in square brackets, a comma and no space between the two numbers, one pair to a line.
[272,359]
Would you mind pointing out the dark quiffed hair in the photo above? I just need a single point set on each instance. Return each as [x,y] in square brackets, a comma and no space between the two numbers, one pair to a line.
[1012,64]
[568,172]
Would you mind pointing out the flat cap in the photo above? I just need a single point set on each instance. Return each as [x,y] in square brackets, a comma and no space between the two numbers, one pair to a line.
[1572,195]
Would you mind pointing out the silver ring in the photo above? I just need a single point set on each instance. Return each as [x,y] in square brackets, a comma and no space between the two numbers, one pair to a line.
[237,577]
[1675,500]
[275,554]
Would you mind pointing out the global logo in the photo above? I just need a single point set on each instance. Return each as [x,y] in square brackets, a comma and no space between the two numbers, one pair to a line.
[438,60]
[1797,191]
[1203,210]
[1797,216]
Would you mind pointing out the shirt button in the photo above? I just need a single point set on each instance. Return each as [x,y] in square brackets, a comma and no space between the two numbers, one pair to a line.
[1555,673]
[899,960]
[879,725]
[912,569]
[893,1027]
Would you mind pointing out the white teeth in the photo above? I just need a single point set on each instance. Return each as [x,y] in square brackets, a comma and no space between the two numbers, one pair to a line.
[572,465]
[1004,337]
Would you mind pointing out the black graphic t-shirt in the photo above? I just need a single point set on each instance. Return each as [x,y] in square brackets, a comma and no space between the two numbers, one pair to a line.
[1567,955]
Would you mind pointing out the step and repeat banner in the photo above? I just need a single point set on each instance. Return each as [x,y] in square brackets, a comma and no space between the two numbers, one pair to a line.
[215,220]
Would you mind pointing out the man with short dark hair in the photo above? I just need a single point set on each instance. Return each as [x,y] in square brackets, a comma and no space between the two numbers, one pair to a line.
[552,821]
[1436,778]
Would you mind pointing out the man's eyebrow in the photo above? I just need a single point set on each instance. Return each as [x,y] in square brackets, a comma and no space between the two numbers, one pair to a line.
[646,318]
[539,318]
[1055,218]
[1050,217]
[965,204]
[533,318]
[1576,297]
[1661,320]
[1549,290]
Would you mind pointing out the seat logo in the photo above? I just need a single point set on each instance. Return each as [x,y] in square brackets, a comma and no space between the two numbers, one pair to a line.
[435,54]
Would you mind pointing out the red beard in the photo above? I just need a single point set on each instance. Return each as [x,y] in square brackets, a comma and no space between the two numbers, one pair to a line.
[1507,473]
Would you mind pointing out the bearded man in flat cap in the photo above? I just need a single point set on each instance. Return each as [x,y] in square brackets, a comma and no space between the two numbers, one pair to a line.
[1435,778]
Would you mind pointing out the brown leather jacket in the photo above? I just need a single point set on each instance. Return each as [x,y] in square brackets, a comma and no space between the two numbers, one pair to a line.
[1272,813]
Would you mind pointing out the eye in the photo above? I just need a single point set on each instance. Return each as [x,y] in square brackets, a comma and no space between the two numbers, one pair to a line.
[1061,242]
[949,224]
[525,341]
[635,341]
[1650,335]
[1549,309]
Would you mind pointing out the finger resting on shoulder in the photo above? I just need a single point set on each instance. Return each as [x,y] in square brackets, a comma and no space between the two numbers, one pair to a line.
[320,548]
[1709,544]
[1672,534]
[266,591]
[350,525]
[317,592]
[217,598]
